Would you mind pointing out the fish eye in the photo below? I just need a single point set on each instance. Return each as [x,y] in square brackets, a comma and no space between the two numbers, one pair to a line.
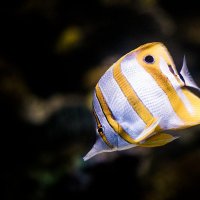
[100,130]
[149,59]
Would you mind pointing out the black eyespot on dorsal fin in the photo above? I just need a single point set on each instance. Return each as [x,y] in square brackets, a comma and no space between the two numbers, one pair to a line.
[149,59]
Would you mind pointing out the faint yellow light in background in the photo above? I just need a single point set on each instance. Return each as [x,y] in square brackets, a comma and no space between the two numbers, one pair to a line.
[69,39]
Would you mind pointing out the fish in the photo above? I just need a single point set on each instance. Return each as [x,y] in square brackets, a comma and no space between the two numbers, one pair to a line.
[141,98]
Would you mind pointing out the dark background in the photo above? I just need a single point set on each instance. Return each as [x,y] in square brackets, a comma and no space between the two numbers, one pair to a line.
[52,54]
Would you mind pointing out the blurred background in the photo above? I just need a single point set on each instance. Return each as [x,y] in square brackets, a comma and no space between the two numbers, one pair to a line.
[52,53]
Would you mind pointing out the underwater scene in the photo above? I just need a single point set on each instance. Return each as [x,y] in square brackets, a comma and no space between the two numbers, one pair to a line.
[100,98]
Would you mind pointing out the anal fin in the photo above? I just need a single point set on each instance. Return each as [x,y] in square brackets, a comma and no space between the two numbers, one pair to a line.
[158,139]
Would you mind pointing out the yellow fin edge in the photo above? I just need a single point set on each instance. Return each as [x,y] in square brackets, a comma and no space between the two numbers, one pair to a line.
[158,139]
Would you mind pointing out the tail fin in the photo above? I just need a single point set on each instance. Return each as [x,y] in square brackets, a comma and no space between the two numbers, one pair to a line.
[189,81]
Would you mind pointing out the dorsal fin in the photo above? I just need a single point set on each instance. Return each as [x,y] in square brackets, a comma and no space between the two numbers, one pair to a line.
[189,81]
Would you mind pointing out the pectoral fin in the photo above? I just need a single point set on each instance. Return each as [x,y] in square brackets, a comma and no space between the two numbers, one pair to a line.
[158,139]
[148,131]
